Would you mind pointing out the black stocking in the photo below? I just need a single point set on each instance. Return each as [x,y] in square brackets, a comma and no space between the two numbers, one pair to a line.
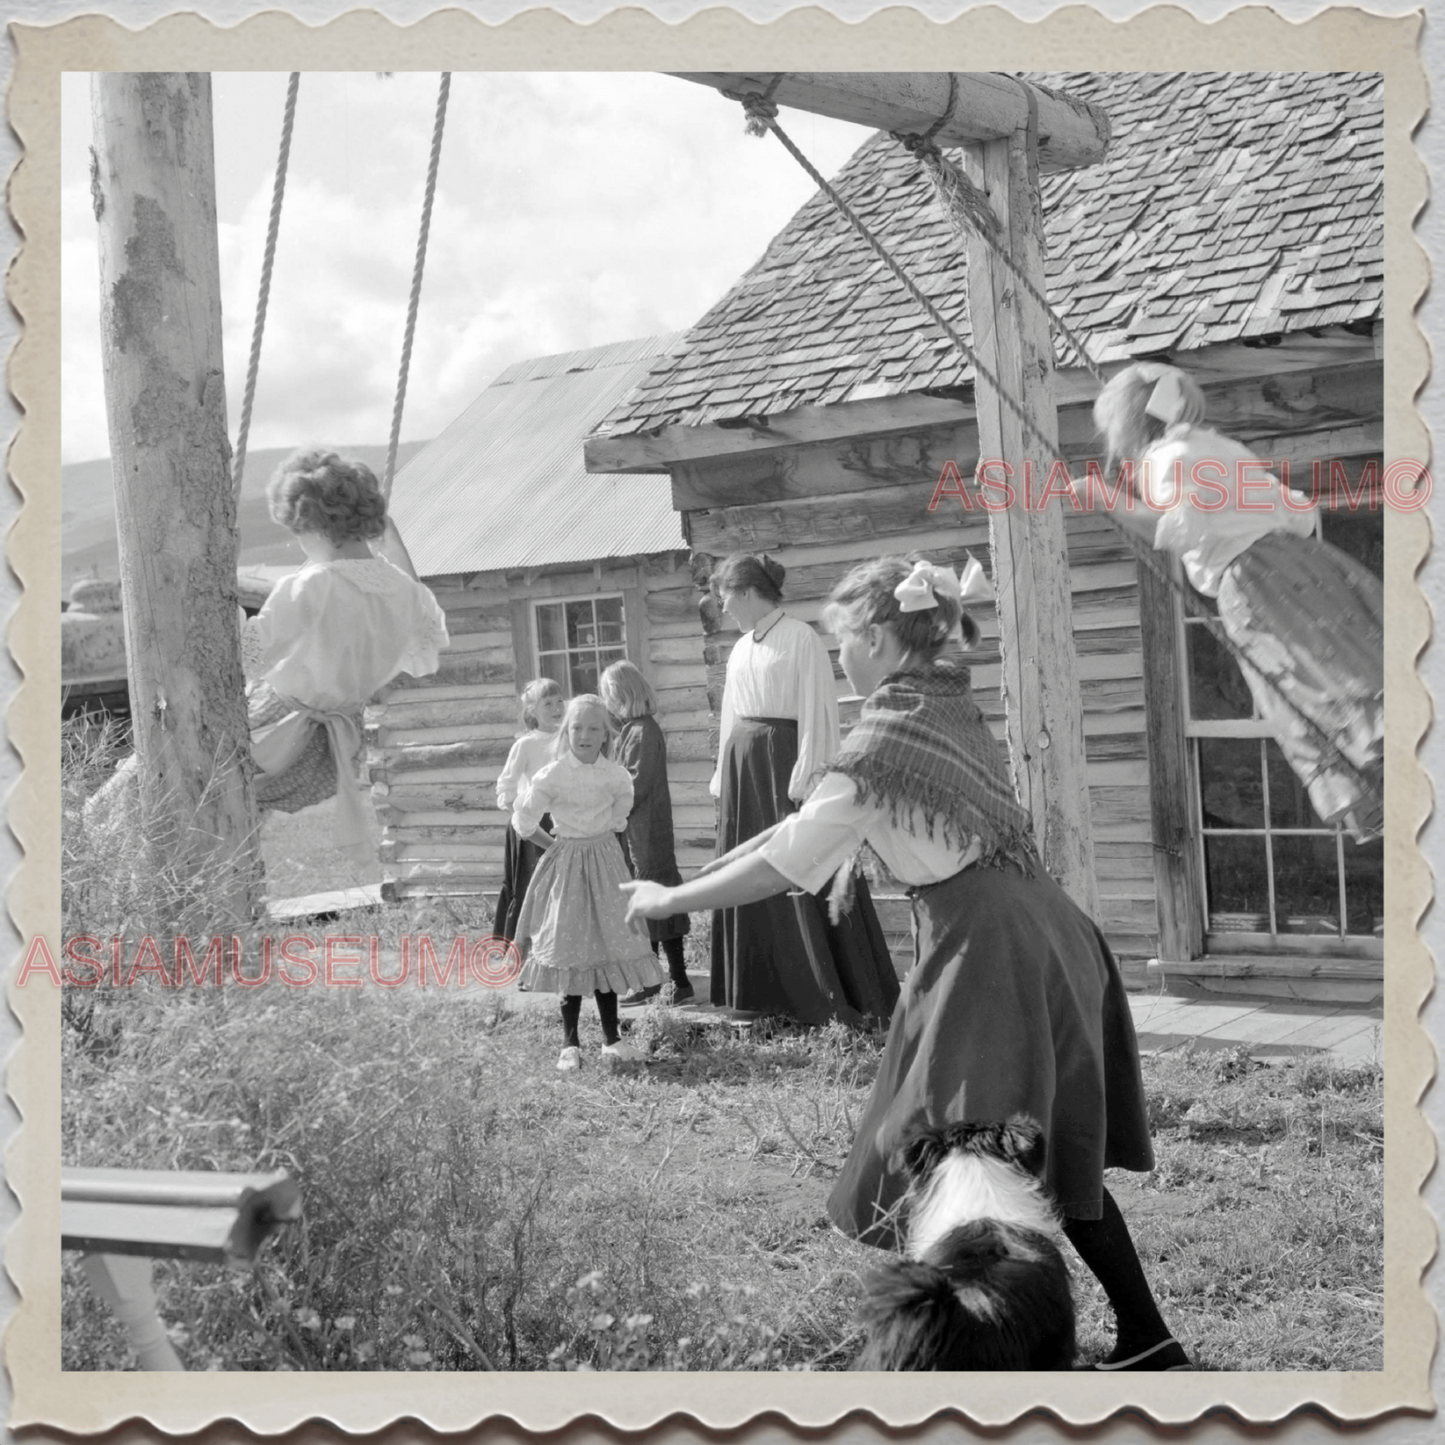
[571,1012]
[1105,1245]
[607,1009]
[676,968]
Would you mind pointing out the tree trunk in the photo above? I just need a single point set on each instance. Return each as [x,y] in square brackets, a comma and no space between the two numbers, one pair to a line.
[1030,552]
[153,189]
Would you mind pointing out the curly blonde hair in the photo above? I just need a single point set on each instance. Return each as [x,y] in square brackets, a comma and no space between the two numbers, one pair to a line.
[318,491]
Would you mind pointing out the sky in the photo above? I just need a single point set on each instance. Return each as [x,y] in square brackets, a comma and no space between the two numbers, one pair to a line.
[572,210]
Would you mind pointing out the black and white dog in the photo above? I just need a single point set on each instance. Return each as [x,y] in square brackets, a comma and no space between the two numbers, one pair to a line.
[982,1285]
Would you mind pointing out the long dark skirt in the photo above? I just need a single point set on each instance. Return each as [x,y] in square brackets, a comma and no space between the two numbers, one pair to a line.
[519,862]
[1310,622]
[783,956]
[1014,1005]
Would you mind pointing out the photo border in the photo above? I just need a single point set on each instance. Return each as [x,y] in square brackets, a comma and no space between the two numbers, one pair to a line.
[1077,38]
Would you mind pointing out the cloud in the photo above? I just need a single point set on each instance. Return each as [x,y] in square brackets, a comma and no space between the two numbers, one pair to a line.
[571,210]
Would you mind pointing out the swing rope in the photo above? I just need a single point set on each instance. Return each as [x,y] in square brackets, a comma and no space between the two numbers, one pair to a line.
[273,227]
[966,205]
[416,275]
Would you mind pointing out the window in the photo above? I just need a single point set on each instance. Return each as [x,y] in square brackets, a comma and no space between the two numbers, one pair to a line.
[1270,866]
[577,640]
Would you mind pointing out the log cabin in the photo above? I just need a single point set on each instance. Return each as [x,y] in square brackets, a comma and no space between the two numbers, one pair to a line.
[1234,228]
[543,571]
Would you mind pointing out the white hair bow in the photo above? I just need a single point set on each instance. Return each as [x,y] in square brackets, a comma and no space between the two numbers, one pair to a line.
[922,588]
[1166,401]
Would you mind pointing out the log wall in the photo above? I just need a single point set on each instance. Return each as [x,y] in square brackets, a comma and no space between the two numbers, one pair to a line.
[435,745]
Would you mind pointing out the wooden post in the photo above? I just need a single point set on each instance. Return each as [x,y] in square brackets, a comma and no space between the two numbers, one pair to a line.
[1031,564]
[153,189]
[1178,886]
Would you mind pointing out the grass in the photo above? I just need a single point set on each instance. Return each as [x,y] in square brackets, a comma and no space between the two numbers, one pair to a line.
[467,1208]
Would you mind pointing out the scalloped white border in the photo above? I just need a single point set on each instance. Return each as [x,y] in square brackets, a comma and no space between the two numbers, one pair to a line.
[1076,38]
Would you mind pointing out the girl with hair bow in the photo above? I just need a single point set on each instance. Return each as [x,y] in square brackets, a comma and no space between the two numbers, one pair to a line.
[1306,619]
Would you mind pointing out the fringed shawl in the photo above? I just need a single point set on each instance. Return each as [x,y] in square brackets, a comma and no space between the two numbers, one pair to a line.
[922,744]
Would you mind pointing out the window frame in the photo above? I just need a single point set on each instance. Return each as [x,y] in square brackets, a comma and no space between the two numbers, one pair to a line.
[561,600]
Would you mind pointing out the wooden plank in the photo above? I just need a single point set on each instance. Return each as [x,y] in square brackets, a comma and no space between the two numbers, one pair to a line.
[1275,965]
[159,1231]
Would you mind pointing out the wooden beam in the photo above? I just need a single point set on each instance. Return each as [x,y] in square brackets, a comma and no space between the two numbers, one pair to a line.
[1223,371]
[1040,681]
[988,106]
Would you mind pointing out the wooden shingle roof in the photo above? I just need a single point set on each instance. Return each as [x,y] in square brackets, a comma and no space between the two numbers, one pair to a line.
[1229,207]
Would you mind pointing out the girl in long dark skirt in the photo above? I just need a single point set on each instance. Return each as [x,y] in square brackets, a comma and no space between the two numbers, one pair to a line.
[779,726]
[542,706]
[641,748]
[1015,1003]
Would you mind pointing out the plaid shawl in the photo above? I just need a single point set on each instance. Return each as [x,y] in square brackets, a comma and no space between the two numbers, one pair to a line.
[922,743]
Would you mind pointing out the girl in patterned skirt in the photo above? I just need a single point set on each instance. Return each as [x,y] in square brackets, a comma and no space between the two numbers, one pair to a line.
[573,929]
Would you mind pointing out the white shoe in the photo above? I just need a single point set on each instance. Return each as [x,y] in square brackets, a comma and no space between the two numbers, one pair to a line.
[570,1060]
[623,1053]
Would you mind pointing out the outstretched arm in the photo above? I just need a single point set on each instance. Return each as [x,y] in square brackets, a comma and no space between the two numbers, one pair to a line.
[747,880]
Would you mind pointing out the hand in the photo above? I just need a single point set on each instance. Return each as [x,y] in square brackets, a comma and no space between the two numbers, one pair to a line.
[646,900]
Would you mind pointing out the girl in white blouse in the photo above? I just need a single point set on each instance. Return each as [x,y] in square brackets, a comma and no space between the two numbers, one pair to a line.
[329,637]
[779,728]
[1307,620]
[1014,1003]
[542,706]
[573,931]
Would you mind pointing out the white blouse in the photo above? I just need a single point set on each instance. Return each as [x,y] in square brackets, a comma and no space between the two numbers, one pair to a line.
[584,799]
[1204,527]
[813,843]
[530,754]
[334,633]
[781,669]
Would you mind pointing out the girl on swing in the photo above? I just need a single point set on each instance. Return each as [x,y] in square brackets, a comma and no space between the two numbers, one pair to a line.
[1306,620]
[329,637]
[1014,1003]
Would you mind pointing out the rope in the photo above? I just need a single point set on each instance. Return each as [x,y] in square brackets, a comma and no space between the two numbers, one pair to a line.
[273,227]
[761,115]
[416,275]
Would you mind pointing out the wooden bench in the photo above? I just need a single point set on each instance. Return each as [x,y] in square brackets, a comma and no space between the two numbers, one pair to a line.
[121,1219]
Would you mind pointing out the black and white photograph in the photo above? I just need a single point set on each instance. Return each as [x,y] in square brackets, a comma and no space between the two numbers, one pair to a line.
[725,721]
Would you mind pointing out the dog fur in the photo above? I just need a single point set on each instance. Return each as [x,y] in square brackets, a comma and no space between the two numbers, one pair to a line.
[983,1285]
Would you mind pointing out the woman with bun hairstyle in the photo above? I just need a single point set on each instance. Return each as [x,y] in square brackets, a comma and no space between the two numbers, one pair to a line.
[779,729]
[1014,1003]
[327,639]
[1306,619]
[330,636]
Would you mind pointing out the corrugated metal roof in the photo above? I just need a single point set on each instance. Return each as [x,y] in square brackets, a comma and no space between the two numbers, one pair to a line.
[1229,206]
[504,485]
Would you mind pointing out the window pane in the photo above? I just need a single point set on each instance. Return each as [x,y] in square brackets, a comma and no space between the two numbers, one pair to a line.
[549,628]
[1237,888]
[609,621]
[581,631]
[1289,803]
[1307,885]
[584,673]
[555,667]
[1365,887]
[1230,784]
[1217,688]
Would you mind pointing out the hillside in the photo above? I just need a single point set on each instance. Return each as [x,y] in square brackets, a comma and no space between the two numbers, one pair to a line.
[87,512]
